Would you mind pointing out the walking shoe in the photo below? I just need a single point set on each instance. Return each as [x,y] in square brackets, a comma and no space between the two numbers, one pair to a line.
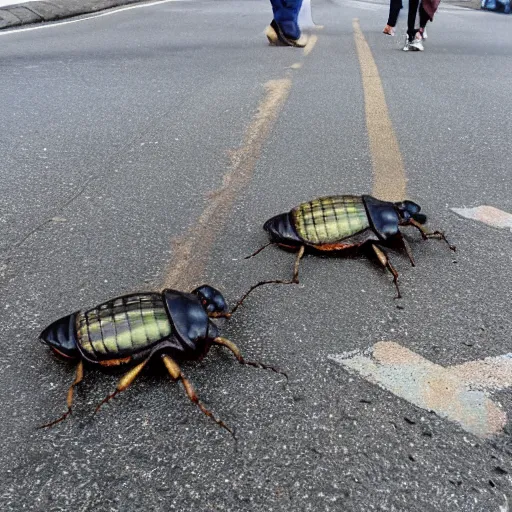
[423,33]
[389,30]
[415,45]
[276,37]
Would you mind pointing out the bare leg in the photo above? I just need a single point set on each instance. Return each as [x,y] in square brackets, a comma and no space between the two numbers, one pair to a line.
[294,280]
[383,258]
[124,382]
[430,234]
[236,352]
[176,373]
[78,378]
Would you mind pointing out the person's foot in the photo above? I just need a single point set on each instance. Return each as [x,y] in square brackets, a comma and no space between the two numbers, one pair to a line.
[413,46]
[389,30]
[423,33]
[277,37]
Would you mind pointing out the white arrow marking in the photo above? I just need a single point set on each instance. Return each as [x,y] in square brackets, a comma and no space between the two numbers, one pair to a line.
[459,393]
[488,215]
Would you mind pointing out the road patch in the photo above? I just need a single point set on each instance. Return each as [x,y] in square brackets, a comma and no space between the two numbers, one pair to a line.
[459,393]
[486,214]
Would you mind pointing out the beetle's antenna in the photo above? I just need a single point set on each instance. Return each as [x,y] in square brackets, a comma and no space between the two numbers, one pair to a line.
[261,283]
[259,250]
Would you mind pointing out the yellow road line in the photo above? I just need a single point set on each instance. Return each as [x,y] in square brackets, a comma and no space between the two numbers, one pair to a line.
[312,39]
[191,252]
[389,180]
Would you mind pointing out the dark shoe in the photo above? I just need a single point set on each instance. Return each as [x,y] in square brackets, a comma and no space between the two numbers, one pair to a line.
[277,37]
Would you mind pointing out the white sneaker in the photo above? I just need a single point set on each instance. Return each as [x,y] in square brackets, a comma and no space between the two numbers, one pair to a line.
[415,45]
[423,33]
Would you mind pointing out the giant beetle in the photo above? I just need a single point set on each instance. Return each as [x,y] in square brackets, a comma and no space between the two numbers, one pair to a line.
[133,329]
[337,223]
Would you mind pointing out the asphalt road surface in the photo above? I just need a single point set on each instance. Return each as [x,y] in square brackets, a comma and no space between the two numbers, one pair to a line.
[146,148]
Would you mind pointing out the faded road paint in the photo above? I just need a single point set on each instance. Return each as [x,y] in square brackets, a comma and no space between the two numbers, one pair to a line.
[459,393]
[192,251]
[389,181]
[310,44]
[488,215]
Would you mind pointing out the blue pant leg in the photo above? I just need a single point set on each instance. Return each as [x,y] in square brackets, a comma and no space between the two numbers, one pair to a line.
[286,13]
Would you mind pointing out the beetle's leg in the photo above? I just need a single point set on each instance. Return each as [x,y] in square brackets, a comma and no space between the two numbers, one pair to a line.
[431,234]
[383,258]
[294,280]
[78,378]
[176,373]
[407,248]
[236,352]
[124,382]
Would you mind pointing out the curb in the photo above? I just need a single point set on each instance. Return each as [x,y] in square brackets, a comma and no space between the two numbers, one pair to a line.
[38,12]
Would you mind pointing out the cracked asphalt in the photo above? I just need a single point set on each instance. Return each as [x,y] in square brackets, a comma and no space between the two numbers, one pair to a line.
[116,132]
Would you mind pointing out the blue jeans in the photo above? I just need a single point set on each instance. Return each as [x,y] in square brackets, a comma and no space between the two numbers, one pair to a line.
[286,13]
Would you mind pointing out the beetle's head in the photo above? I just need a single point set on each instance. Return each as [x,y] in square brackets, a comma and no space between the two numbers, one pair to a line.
[408,210]
[211,299]
[60,336]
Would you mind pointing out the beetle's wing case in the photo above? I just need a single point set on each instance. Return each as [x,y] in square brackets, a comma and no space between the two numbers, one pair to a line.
[122,326]
[330,219]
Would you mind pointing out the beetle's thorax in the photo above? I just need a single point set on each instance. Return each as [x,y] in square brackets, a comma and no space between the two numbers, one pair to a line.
[384,217]
[190,321]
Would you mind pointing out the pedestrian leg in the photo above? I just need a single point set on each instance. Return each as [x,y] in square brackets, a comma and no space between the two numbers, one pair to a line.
[394,11]
[284,28]
[411,19]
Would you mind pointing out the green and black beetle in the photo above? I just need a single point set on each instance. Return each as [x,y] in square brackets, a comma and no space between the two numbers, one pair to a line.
[337,223]
[130,330]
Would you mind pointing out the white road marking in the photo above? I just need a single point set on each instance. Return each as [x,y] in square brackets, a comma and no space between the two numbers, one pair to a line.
[460,393]
[15,30]
[488,215]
